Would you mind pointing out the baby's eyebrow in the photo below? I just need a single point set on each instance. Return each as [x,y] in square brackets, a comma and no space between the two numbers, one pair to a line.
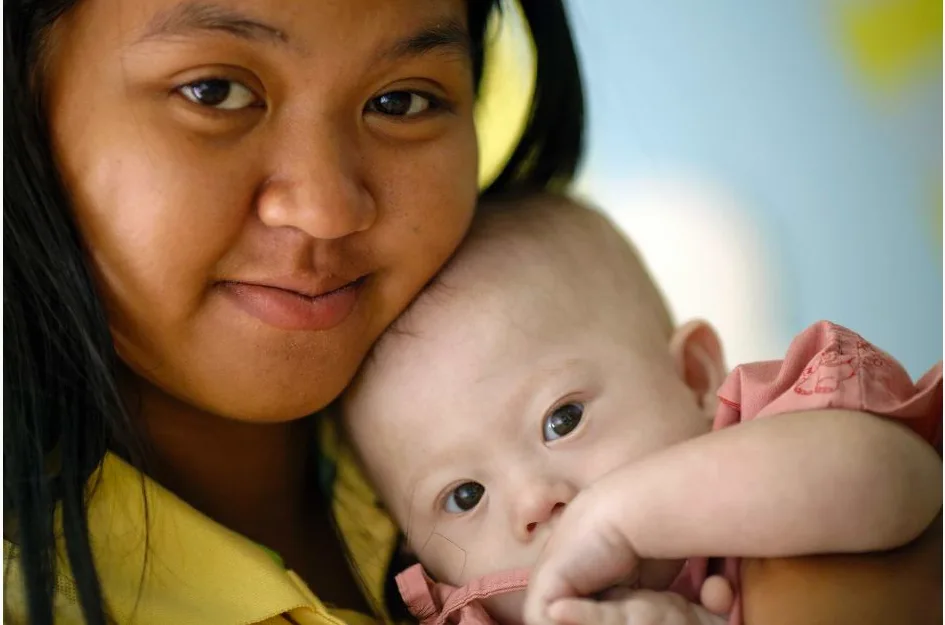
[430,462]
[419,485]
[429,478]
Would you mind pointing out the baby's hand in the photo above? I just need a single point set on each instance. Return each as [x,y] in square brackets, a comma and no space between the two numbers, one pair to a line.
[586,554]
[637,607]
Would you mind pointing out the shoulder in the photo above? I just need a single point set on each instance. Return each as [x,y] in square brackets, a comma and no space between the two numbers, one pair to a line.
[368,531]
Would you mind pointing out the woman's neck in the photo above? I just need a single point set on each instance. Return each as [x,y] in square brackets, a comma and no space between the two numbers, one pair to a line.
[252,478]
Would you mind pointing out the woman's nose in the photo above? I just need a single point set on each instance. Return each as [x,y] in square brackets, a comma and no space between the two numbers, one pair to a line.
[537,505]
[318,190]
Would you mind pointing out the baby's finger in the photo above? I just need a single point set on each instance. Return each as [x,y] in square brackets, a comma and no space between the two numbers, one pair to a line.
[616,593]
[717,595]
[573,570]
[639,607]
[542,593]
[587,612]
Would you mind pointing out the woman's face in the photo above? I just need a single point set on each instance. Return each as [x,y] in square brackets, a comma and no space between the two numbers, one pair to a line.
[262,185]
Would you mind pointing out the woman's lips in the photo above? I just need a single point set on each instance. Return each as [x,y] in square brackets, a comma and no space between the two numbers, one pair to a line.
[290,310]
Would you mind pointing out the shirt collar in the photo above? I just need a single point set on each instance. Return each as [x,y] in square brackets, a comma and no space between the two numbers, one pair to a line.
[159,560]
[156,555]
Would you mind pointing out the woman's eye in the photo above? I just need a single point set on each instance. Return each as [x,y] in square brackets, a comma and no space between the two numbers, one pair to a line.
[562,421]
[464,497]
[219,93]
[401,104]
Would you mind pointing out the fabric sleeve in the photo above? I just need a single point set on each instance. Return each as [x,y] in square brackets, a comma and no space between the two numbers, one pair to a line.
[830,367]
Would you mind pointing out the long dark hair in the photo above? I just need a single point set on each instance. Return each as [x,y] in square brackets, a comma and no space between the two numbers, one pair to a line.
[62,408]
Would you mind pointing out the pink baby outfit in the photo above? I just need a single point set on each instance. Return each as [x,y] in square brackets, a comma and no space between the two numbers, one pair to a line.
[826,367]
[441,604]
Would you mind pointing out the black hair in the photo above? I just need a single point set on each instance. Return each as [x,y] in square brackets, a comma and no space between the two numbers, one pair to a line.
[62,408]
[550,150]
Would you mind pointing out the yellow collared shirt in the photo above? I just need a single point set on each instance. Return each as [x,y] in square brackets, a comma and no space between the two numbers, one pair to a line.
[197,571]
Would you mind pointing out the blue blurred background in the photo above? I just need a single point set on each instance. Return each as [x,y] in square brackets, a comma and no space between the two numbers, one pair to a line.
[775,162]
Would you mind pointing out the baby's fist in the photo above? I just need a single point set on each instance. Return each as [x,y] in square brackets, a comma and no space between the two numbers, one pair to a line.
[640,607]
[585,555]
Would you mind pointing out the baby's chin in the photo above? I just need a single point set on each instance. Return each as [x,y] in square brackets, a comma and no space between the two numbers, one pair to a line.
[506,609]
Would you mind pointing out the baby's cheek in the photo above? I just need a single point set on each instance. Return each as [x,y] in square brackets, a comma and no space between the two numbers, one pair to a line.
[444,559]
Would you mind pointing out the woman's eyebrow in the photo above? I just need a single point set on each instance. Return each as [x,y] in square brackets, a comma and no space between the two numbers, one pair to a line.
[195,16]
[447,35]
[444,35]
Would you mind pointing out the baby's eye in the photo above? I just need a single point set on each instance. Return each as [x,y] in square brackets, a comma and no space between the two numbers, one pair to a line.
[562,421]
[402,104]
[464,497]
[219,93]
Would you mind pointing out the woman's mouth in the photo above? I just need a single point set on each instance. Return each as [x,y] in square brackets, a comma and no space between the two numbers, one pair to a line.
[292,310]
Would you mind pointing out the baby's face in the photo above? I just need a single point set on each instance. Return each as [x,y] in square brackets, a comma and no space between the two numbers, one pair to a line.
[482,425]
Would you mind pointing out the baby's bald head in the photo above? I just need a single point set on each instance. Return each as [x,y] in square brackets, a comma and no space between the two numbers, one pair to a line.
[532,274]
[563,261]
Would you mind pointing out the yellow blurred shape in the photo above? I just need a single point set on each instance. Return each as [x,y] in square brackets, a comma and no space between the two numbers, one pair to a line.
[891,40]
[508,82]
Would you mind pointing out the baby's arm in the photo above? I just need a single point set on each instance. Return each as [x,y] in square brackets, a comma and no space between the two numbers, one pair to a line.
[810,482]
[807,470]
[798,475]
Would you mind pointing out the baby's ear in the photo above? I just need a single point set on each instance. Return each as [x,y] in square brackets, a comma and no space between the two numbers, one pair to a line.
[697,355]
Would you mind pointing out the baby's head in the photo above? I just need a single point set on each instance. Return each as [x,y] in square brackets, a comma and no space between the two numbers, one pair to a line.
[541,358]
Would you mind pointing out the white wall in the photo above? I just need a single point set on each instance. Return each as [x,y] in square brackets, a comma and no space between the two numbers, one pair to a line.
[769,179]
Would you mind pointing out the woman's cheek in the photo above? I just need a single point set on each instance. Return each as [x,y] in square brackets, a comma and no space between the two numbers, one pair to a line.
[430,195]
[159,223]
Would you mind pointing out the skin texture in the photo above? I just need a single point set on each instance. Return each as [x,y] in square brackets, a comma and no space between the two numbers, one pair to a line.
[295,174]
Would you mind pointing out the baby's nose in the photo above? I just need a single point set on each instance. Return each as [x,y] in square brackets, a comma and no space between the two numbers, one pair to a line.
[539,506]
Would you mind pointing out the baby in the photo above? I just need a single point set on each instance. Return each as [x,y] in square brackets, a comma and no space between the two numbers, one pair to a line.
[539,387]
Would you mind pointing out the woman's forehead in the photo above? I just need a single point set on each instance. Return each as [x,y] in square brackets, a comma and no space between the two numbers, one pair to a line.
[409,26]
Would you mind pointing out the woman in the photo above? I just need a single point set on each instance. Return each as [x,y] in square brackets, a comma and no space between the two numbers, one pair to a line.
[211,211]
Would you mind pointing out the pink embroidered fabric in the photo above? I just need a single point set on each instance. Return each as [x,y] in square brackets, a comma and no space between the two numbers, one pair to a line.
[830,367]
[826,367]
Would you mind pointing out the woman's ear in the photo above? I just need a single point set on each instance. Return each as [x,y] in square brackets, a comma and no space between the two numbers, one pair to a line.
[697,355]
